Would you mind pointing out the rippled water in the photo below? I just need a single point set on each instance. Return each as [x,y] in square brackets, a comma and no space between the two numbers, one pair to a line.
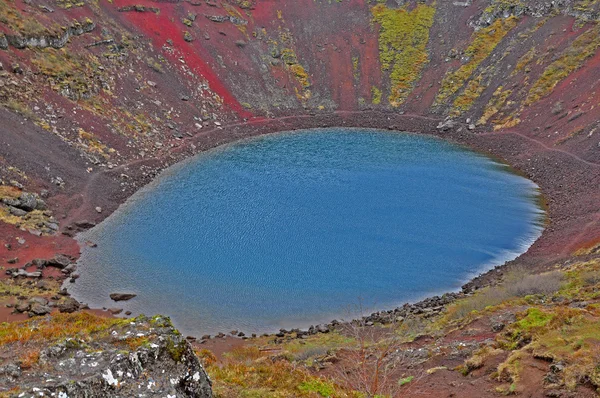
[296,228]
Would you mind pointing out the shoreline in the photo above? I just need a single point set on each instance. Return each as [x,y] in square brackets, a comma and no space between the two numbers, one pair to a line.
[459,135]
[109,188]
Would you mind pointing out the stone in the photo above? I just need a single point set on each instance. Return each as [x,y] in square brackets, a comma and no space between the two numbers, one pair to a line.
[152,370]
[38,300]
[322,329]
[85,224]
[69,269]
[115,311]
[447,125]
[28,201]
[13,260]
[22,307]
[99,209]
[23,273]
[59,261]
[68,306]
[51,225]
[35,232]
[40,204]
[43,285]
[497,327]
[122,296]
[16,211]
[39,309]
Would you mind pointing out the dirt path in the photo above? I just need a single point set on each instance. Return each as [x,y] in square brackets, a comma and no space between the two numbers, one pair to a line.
[546,147]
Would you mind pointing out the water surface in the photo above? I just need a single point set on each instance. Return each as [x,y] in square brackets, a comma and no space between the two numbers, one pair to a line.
[293,229]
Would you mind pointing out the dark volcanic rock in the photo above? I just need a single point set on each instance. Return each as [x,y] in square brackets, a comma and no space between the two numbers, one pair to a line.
[84,224]
[69,305]
[39,309]
[122,296]
[59,261]
[164,367]
[28,201]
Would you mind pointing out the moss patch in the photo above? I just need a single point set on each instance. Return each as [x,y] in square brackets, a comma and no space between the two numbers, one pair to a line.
[403,39]
[583,48]
[483,42]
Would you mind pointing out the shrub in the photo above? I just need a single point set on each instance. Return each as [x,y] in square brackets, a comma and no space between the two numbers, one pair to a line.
[517,284]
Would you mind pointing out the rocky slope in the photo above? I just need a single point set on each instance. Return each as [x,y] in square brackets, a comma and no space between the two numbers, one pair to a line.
[99,96]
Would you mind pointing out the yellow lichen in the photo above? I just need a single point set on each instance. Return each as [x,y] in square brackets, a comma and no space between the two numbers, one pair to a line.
[483,42]
[572,58]
[403,39]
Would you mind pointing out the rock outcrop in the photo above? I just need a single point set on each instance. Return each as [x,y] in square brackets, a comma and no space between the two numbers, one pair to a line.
[139,357]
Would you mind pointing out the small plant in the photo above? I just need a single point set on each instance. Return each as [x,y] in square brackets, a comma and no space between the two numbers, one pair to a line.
[323,388]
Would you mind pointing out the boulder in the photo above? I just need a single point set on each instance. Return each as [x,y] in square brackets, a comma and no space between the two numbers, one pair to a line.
[39,309]
[22,307]
[28,201]
[165,367]
[68,306]
[84,224]
[16,211]
[38,300]
[40,204]
[59,261]
[122,296]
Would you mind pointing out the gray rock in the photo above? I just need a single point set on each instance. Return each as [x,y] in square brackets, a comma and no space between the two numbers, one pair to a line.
[40,204]
[122,296]
[165,367]
[51,225]
[22,307]
[59,261]
[11,202]
[38,300]
[447,125]
[28,201]
[16,211]
[23,273]
[69,305]
[11,370]
[39,309]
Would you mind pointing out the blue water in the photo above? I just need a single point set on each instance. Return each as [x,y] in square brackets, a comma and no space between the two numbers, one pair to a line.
[294,229]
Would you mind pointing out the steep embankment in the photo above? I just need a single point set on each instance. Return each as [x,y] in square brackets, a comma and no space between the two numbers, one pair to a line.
[99,96]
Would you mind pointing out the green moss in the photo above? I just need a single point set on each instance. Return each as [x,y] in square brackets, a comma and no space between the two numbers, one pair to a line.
[535,318]
[483,42]
[495,104]
[403,39]
[465,100]
[405,380]
[323,388]
[376,95]
[583,48]
[176,350]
